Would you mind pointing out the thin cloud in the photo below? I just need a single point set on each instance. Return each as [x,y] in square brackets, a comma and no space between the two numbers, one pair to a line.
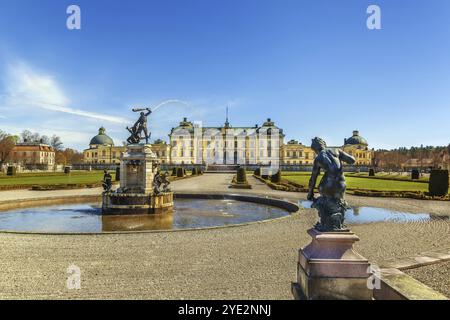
[27,87]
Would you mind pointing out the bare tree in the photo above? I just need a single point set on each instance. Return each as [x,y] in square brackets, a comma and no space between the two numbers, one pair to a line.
[71,156]
[26,135]
[45,139]
[56,143]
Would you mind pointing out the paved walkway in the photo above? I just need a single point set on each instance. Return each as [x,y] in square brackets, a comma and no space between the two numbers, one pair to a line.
[256,261]
[217,182]
[30,194]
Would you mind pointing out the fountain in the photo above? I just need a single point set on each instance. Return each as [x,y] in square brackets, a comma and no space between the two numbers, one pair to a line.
[143,201]
[143,190]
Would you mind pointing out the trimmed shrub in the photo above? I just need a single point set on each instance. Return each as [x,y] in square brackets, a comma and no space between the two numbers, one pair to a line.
[180,172]
[184,172]
[174,171]
[371,173]
[11,171]
[276,178]
[241,175]
[66,170]
[415,174]
[257,172]
[438,185]
[118,174]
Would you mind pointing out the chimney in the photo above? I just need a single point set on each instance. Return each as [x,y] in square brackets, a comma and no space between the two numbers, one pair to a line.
[355,132]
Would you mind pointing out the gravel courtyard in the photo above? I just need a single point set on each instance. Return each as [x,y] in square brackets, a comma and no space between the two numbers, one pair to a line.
[256,261]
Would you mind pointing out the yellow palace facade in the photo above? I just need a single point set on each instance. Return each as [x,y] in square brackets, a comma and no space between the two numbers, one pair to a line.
[190,143]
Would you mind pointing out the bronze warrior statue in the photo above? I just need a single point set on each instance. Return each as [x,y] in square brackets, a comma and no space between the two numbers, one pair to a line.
[331,204]
[139,126]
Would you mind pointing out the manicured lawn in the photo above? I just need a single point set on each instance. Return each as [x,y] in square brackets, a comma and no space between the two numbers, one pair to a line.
[87,177]
[387,176]
[364,183]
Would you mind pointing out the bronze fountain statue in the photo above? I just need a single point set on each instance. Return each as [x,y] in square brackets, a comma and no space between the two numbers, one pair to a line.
[328,267]
[331,204]
[143,188]
[139,126]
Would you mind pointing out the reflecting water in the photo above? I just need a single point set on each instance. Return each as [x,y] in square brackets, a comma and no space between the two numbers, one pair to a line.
[371,214]
[87,218]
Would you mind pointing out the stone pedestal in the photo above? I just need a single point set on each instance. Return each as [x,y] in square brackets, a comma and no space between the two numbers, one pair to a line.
[121,203]
[136,195]
[138,166]
[329,268]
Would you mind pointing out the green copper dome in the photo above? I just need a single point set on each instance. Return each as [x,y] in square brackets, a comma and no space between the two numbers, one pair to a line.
[356,139]
[102,138]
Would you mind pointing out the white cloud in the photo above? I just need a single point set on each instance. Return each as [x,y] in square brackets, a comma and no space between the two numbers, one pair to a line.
[28,87]
[34,100]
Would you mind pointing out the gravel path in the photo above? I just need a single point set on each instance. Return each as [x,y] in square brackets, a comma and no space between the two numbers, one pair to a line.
[256,261]
[436,276]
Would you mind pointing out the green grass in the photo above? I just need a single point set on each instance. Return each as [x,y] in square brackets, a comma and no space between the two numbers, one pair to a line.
[387,176]
[366,183]
[83,177]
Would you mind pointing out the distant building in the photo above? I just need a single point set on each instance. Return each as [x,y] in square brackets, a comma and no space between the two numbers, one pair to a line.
[162,150]
[102,150]
[257,145]
[33,155]
[295,153]
[192,144]
[357,146]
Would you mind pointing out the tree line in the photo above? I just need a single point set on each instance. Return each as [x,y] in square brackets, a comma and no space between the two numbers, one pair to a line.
[393,159]
[63,155]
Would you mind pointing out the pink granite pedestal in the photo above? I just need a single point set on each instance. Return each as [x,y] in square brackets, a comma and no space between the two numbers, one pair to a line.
[329,268]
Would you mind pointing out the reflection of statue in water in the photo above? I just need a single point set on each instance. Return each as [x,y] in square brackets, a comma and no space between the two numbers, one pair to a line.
[139,127]
[331,204]
[107,181]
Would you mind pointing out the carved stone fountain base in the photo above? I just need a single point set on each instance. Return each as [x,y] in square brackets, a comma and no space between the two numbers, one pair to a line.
[329,268]
[136,195]
[137,203]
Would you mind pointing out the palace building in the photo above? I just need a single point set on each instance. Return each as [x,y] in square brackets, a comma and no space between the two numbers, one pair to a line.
[191,143]
[295,153]
[162,151]
[357,146]
[102,150]
[33,155]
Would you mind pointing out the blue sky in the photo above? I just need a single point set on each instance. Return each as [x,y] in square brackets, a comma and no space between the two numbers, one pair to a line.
[311,66]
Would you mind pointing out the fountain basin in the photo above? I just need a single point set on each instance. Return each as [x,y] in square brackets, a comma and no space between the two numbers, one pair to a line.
[359,215]
[190,211]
